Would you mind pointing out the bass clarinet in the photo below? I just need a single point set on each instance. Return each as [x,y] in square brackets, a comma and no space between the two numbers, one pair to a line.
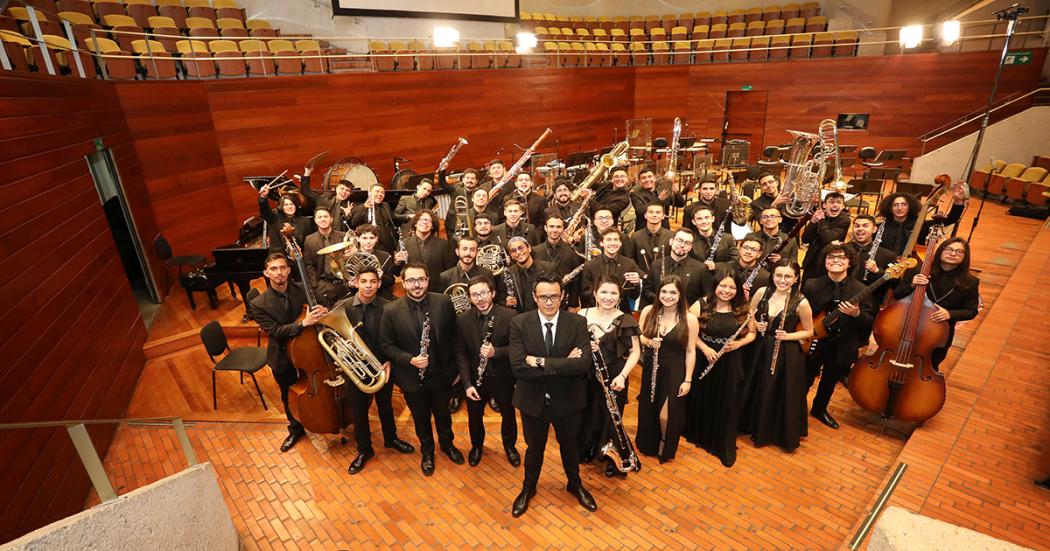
[483,362]
[619,448]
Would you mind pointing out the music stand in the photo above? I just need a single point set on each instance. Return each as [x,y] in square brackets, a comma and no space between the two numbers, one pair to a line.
[847,149]
[918,189]
[413,181]
[580,158]
[888,155]
[864,188]
[883,174]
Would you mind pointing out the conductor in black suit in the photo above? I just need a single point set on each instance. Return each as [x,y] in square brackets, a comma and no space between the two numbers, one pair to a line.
[547,357]
[423,371]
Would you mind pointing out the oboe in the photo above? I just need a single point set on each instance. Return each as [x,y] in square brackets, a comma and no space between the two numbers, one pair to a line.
[424,346]
[483,362]
[874,249]
[619,448]
[725,347]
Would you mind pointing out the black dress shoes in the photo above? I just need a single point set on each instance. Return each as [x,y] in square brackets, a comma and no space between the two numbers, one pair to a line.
[427,465]
[611,471]
[400,445]
[521,503]
[293,437]
[493,404]
[823,417]
[474,457]
[588,455]
[584,497]
[512,457]
[359,462]
[453,454]
[454,403]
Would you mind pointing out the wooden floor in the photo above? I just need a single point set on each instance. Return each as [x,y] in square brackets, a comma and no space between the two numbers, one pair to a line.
[972,470]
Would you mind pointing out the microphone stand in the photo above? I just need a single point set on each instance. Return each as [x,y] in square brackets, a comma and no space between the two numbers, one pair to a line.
[1009,15]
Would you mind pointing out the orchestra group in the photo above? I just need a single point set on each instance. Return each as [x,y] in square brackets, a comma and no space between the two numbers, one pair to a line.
[590,285]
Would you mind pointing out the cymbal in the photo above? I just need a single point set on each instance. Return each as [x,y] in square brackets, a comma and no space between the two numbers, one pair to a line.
[335,248]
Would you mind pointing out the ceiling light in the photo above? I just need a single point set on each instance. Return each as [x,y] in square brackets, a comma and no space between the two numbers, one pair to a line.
[911,36]
[445,37]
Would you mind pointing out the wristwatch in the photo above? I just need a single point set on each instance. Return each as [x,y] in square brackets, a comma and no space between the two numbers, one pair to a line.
[539,362]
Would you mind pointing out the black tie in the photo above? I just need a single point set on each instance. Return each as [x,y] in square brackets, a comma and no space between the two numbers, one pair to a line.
[549,338]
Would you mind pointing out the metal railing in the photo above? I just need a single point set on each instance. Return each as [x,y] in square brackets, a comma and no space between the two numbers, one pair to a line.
[89,457]
[976,115]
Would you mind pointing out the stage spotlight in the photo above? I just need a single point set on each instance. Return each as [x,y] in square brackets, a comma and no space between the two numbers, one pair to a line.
[950,32]
[445,37]
[911,36]
[526,41]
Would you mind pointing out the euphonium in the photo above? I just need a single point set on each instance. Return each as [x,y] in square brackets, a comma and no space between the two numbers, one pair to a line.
[617,156]
[348,351]
[801,188]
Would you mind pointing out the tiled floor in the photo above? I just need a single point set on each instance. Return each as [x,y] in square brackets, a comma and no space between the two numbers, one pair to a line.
[971,466]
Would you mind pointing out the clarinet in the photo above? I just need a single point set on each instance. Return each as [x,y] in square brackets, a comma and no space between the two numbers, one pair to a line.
[400,240]
[776,340]
[508,280]
[725,347]
[619,448]
[484,361]
[424,346]
[717,239]
[874,249]
[759,265]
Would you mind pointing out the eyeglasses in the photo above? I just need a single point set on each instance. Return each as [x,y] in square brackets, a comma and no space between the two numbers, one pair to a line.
[603,217]
[480,295]
[752,248]
[518,248]
[548,299]
[683,241]
[955,251]
[770,216]
[416,281]
[837,257]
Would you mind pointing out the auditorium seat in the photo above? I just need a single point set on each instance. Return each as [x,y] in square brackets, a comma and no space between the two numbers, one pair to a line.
[600,35]
[704,50]
[810,9]
[736,30]
[822,44]
[721,50]
[116,68]
[445,58]
[315,64]
[1037,192]
[19,50]
[759,48]
[800,44]
[583,33]
[160,25]
[122,23]
[756,28]
[752,14]
[720,17]
[637,34]
[845,43]
[540,32]
[566,57]
[702,18]
[739,49]
[790,11]
[475,57]
[771,13]
[620,54]
[513,59]
[228,9]
[639,54]
[200,8]
[718,30]
[201,27]
[701,32]
[685,21]
[979,177]
[618,35]
[636,22]
[594,57]
[679,33]
[155,59]
[140,11]
[64,56]
[779,46]
[82,24]
[997,183]
[230,62]
[192,67]
[661,53]
[775,26]
[669,21]
[736,16]
[424,61]
[103,8]
[681,54]
[579,54]
[567,33]
[380,60]
[79,6]
[1017,187]
[605,23]
[795,25]
[173,9]
[257,58]
[403,58]
[590,22]
[651,22]
[231,28]
[816,24]
[658,34]
[47,26]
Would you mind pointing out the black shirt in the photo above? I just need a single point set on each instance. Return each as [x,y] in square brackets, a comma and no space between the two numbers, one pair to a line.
[369,316]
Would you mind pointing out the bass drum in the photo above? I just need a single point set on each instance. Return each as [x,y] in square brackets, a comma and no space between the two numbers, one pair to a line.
[401,178]
[352,170]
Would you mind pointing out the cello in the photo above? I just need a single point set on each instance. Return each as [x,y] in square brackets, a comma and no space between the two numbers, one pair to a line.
[899,380]
[316,399]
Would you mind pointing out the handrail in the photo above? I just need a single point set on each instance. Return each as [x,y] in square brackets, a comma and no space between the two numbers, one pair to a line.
[163,421]
[880,504]
[975,117]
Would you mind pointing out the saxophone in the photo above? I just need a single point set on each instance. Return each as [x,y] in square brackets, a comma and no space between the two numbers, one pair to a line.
[483,361]
[619,448]
[740,204]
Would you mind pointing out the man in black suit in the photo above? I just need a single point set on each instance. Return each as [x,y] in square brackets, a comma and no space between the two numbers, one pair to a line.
[548,360]
[422,367]
[524,272]
[366,309]
[611,263]
[326,286]
[770,235]
[698,280]
[424,246]
[338,201]
[276,311]
[477,339]
[367,238]
[377,212]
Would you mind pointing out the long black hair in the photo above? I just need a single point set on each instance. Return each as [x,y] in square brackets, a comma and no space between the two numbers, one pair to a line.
[886,206]
[738,304]
[961,274]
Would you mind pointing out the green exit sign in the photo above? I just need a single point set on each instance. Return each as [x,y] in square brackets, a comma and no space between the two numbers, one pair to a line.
[746,87]
[1018,58]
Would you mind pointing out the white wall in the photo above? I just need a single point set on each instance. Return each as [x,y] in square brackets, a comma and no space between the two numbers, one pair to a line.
[182,511]
[901,530]
[1015,140]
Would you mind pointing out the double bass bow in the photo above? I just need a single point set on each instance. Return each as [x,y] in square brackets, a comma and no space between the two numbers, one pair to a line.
[899,380]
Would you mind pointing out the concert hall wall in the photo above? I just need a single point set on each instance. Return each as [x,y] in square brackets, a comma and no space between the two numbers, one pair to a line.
[70,333]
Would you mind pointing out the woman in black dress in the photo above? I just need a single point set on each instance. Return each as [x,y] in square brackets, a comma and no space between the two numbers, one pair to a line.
[669,332]
[778,402]
[711,408]
[616,337]
[287,213]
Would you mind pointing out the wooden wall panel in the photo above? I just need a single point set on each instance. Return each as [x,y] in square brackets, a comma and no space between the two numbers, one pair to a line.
[174,140]
[268,126]
[70,334]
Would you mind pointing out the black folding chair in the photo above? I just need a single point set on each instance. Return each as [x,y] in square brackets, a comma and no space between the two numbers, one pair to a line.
[247,359]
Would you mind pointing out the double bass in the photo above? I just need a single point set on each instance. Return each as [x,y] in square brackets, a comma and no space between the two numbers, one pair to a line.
[316,399]
[899,380]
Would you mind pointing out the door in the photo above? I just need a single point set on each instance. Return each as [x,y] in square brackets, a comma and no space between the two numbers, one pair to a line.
[745,119]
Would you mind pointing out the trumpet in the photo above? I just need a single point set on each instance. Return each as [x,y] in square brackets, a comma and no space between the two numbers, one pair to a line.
[617,156]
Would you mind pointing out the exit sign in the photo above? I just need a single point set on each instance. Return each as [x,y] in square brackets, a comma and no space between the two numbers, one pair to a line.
[746,87]
[1017,58]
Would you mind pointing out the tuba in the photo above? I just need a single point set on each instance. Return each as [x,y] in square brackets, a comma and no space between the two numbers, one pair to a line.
[801,188]
[348,351]
[460,298]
